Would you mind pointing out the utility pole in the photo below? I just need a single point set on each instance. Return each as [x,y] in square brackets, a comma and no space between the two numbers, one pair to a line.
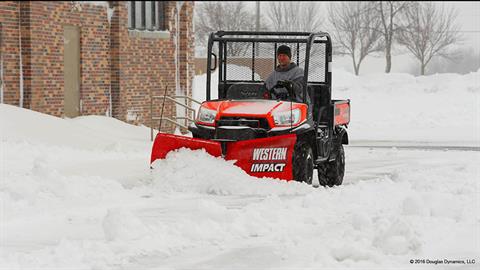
[257,23]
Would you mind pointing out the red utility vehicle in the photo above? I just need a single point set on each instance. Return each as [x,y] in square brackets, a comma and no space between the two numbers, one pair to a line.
[279,137]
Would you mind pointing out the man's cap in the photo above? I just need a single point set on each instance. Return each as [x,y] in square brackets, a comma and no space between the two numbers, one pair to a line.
[284,49]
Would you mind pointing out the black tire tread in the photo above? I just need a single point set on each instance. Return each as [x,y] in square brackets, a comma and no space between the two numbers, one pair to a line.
[301,151]
[331,173]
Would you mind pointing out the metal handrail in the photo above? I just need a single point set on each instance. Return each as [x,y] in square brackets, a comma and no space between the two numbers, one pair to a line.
[185,97]
[173,119]
[189,98]
[177,102]
[176,118]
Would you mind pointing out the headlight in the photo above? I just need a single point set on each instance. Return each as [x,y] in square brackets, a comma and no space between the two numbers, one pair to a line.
[206,115]
[287,118]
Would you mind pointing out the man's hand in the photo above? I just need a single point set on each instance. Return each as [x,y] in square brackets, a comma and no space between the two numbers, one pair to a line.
[286,83]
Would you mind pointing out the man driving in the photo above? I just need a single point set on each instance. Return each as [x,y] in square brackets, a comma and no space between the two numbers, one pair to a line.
[286,75]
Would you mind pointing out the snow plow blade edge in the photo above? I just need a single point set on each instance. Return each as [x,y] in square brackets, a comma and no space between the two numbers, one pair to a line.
[164,143]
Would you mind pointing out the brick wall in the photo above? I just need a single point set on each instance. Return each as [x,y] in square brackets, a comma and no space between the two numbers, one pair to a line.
[147,66]
[46,33]
[113,59]
[9,18]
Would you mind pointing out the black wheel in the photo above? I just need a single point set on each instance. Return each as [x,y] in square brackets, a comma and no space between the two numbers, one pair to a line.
[303,162]
[331,173]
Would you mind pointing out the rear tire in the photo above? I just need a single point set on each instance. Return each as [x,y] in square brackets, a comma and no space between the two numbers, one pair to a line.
[331,173]
[303,162]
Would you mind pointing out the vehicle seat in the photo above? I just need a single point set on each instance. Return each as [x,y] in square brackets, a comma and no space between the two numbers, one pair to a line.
[245,91]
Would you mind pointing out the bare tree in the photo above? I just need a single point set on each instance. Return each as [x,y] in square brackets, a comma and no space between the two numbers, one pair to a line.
[355,25]
[295,16]
[467,61]
[228,16]
[388,12]
[428,32]
[287,16]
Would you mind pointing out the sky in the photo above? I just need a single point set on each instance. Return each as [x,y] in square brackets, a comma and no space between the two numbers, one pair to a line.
[468,20]
[468,17]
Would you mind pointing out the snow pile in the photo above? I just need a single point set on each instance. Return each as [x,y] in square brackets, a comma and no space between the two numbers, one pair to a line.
[78,193]
[176,173]
[86,133]
[121,224]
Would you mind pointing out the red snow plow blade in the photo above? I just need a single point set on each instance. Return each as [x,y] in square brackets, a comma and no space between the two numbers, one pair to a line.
[265,157]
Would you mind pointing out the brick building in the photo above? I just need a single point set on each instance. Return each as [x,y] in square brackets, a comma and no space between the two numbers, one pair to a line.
[75,58]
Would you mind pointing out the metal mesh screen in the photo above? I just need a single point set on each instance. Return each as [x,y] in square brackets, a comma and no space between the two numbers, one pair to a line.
[318,65]
[254,61]
[249,61]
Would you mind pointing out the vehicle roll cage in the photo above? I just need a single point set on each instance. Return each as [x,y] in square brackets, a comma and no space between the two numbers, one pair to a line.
[271,37]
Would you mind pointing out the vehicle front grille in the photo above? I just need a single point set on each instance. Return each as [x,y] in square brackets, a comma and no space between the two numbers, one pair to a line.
[242,121]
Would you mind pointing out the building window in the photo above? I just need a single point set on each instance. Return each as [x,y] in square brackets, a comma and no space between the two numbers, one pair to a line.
[161,25]
[146,15]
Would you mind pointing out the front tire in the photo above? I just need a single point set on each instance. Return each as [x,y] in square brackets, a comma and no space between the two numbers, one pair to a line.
[331,173]
[303,162]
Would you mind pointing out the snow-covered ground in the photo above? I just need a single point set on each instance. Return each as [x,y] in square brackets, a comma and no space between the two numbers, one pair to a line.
[79,194]
[441,108]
